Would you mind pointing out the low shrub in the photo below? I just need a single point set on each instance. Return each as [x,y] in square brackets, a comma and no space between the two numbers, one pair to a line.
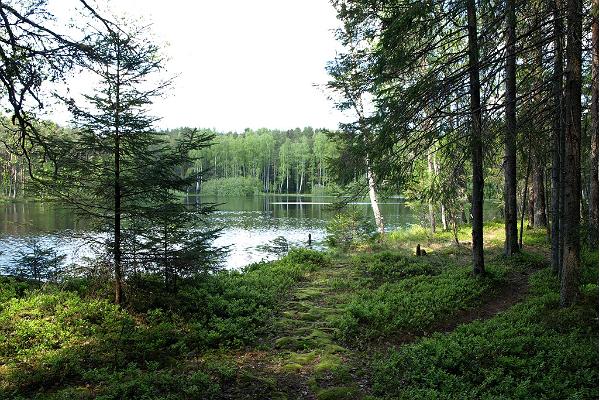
[413,304]
[11,287]
[534,350]
[389,267]
[54,338]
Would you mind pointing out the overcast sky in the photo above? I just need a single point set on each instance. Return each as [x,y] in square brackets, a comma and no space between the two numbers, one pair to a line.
[240,63]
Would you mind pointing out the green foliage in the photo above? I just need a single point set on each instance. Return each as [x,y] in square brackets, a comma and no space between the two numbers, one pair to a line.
[11,287]
[534,350]
[349,228]
[328,190]
[51,337]
[151,383]
[56,337]
[233,187]
[388,266]
[413,304]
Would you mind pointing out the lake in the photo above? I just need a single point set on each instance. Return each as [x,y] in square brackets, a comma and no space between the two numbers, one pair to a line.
[248,225]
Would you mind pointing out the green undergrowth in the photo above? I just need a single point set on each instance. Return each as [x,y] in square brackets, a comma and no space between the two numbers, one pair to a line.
[533,350]
[300,325]
[390,267]
[404,294]
[56,343]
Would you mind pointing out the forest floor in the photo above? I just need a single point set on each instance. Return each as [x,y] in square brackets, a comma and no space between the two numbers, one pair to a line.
[374,322]
[304,359]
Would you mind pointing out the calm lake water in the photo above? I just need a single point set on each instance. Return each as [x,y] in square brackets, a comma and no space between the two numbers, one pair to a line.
[248,225]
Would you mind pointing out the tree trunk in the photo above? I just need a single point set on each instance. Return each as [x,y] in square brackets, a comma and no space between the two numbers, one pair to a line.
[430,169]
[511,244]
[455,229]
[524,203]
[539,192]
[444,217]
[593,203]
[436,169]
[476,141]
[557,134]
[539,195]
[117,195]
[531,207]
[374,201]
[569,288]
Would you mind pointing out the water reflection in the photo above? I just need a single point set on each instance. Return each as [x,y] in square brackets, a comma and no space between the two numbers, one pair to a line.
[248,225]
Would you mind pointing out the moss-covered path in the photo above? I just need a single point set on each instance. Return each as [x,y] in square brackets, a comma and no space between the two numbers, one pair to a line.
[314,355]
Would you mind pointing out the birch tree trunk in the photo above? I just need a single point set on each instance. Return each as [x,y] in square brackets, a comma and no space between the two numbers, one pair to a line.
[431,171]
[374,201]
[436,169]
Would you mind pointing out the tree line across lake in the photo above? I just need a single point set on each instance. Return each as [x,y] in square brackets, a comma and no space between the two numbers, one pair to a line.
[255,161]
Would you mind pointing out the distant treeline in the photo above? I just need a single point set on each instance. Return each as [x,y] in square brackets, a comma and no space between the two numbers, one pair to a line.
[292,161]
[273,161]
[14,171]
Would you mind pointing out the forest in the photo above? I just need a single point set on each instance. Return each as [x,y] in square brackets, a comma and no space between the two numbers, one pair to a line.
[453,214]
[294,161]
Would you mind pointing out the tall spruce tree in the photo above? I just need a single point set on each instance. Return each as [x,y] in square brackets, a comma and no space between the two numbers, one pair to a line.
[511,244]
[593,201]
[119,172]
[476,139]
[571,262]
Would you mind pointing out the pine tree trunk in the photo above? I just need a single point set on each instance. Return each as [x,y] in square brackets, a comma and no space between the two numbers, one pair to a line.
[569,288]
[557,135]
[511,244]
[540,219]
[593,203]
[117,194]
[476,141]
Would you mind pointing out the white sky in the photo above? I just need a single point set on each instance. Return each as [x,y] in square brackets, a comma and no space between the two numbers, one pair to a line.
[241,63]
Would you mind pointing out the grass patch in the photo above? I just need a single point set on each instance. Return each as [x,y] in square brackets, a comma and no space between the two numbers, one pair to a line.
[202,342]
